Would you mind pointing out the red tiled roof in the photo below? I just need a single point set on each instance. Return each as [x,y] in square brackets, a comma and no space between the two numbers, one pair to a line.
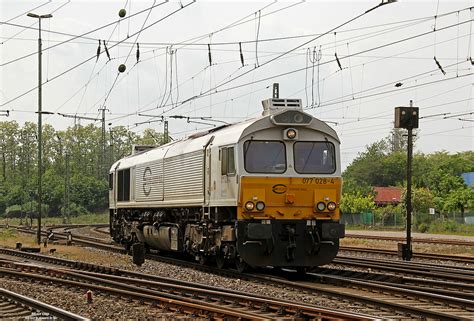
[387,195]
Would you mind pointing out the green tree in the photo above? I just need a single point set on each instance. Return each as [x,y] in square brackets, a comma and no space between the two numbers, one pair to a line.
[151,137]
[385,212]
[422,200]
[458,199]
[357,203]
[83,145]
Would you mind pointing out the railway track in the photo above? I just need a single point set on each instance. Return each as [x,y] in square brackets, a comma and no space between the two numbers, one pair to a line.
[416,255]
[450,273]
[14,306]
[381,298]
[414,297]
[194,299]
[414,239]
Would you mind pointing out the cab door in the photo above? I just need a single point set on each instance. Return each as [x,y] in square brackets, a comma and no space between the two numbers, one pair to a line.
[207,174]
[228,189]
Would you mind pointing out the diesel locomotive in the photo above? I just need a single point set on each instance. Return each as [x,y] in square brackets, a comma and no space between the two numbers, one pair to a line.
[262,192]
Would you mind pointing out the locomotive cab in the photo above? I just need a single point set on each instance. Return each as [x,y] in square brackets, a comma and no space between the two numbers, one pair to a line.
[290,189]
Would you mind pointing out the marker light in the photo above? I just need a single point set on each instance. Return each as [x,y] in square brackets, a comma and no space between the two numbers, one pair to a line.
[249,206]
[321,206]
[331,206]
[260,206]
[291,133]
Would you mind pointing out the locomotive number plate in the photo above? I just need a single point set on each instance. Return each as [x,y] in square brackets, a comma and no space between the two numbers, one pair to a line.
[318,180]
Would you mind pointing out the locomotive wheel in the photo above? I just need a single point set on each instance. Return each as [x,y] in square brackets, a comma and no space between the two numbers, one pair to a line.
[203,260]
[301,270]
[128,248]
[240,265]
[220,261]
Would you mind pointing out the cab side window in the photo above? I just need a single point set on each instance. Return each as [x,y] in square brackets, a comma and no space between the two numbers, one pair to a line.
[227,161]
[123,185]
[111,181]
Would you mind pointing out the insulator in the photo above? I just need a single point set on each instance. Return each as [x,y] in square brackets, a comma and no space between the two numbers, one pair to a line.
[98,51]
[439,66]
[338,62]
[138,51]
[106,50]
[241,54]
[209,53]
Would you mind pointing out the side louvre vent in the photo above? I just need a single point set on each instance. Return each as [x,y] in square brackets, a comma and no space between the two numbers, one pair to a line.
[275,105]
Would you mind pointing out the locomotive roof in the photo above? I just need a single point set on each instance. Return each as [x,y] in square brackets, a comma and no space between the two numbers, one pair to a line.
[223,135]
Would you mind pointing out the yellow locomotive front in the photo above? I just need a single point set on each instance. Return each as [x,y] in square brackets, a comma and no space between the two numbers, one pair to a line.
[290,190]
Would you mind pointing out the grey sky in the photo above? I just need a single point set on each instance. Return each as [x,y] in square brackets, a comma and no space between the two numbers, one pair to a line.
[360,98]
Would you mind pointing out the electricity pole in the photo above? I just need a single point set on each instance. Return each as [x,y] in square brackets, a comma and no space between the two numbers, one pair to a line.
[64,152]
[66,189]
[166,132]
[111,146]
[102,157]
[40,129]
[407,117]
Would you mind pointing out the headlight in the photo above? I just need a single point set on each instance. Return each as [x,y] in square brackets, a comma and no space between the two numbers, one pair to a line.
[260,206]
[249,206]
[321,206]
[298,118]
[291,133]
[331,206]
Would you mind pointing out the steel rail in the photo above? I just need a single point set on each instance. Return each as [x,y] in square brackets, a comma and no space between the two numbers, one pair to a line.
[408,308]
[414,310]
[303,286]
[40,306]
[189,307]
[453,289]
[234,297]
[431,271]
[418,255]
[213,298]
[414,239]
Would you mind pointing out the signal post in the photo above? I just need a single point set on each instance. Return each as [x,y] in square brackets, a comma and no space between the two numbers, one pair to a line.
[407,117]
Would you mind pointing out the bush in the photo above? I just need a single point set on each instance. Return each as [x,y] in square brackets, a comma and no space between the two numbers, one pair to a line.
[447,226]
[450,226]
[423,218]
[422,228]
[7,233]
[14,211]
[75,210]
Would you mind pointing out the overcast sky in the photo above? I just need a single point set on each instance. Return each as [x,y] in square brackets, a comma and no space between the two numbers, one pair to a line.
[386,56]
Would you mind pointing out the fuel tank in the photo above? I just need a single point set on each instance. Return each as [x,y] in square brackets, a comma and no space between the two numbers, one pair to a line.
[162,237]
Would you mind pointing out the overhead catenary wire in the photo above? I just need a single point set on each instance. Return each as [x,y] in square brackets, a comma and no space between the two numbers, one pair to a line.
[397,41]
[34,23]
[389,84]
[256,40]
[76,37]
[418,85]
[359,97]
[418,19]
[421,19]
[29,10]
[210,90]
[137,34]
[85,61]
[326,62]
